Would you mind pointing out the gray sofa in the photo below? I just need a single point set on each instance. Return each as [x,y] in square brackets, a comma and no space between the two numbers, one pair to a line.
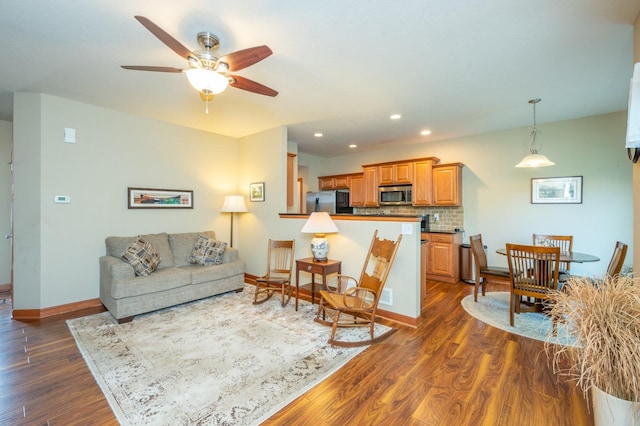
[174,281]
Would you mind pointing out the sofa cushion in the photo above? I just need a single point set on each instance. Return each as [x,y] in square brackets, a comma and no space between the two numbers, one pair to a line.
[207,251]
[182,244]
[207,273]
[142,256]
[161,280]
[116,246]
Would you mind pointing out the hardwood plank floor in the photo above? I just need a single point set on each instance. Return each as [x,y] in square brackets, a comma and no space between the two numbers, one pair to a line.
[452,370]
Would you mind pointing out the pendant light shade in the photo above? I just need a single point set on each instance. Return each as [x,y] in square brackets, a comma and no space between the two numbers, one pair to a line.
[534,159]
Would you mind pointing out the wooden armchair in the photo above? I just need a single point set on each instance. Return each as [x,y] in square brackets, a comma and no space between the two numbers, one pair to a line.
[353,303]
[533,271]
[484,273]
[617,259]
[278,277]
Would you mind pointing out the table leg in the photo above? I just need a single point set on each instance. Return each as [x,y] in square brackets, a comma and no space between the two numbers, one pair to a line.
[313,287]
[297,286]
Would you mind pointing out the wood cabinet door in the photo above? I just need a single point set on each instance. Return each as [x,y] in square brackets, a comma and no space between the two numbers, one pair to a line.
[446,185]
[386,174]
[342,182]
[356,191]
[326,183]
[403,173]
[440,259]
[370,186]
[422,183]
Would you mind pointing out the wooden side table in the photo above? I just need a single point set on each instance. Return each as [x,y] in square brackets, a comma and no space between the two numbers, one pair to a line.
[312,267]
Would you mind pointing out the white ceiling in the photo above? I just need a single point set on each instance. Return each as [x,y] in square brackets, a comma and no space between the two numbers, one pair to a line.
[341,67]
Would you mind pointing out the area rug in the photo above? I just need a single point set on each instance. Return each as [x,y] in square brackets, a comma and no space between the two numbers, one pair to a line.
[493,309]
[220,360]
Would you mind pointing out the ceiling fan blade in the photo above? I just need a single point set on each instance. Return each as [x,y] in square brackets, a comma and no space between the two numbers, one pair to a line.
[251,86]
[146,68]
[167,39]
[246,57]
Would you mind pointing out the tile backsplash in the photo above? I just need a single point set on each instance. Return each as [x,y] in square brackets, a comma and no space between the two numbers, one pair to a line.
[450,217]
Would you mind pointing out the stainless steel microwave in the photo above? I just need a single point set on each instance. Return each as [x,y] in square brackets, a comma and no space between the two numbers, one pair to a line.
[394,195]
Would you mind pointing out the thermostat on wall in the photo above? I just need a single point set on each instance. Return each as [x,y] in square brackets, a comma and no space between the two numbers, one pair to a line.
[62,199]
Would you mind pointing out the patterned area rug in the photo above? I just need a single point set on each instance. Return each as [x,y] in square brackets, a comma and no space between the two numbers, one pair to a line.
[220,360]
[493,309]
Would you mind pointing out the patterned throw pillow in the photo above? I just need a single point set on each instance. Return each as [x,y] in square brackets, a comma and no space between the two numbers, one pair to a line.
[142,256]
[207,251]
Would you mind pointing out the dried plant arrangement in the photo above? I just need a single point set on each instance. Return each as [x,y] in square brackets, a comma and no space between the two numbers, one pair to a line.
[603,315]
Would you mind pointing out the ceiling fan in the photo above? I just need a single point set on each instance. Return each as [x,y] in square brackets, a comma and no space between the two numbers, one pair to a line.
[208,73]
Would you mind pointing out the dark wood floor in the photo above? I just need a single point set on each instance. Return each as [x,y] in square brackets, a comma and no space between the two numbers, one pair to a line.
[452,370]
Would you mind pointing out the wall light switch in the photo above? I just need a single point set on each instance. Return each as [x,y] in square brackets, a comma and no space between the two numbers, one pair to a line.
[62,199]
[69,135]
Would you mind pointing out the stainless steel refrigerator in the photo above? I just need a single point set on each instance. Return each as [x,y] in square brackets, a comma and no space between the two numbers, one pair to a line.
[329,201]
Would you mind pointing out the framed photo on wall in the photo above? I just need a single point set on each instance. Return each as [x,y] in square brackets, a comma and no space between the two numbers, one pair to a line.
[148,198]
[256,191]
[556,190]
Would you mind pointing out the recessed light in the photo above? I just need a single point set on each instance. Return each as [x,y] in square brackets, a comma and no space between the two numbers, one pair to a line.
[353,146]
[395,116]
[425,132]
[318,135]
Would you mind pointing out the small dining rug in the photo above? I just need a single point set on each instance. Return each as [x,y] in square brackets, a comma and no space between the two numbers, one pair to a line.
[493,309]
[220,360]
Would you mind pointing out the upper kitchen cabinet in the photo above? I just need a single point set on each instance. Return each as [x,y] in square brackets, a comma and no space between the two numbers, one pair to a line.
[396,173]
[423,181]
[335,181]
[447,184]
[356,190]
[370,184]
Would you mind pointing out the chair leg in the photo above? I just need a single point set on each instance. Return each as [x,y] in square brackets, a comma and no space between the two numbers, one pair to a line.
[475,290]
[334,327]
[512,302]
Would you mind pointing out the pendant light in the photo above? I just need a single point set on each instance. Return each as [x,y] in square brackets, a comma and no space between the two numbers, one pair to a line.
[534,159]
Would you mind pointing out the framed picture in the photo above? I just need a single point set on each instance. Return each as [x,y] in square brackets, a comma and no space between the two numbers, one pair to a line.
[148,198]
[256,191]
[557,190]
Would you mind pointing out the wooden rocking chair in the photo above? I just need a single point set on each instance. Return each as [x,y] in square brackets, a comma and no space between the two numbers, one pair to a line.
[278,276]
[354,303]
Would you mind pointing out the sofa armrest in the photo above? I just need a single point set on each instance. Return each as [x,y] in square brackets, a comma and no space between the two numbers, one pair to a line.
[230,255]
[113,269]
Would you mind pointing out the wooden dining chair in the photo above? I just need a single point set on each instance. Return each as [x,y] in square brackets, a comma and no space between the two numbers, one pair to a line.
[354,303]
[279,268]
[565,242]
[484,273]
[617,259]
[533,271]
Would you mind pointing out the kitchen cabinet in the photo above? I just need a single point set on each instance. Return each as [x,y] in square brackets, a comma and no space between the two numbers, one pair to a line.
[370,184]
[326,183]
[443,256]
[447,184]
[356,190]
[396,173]
[423,182]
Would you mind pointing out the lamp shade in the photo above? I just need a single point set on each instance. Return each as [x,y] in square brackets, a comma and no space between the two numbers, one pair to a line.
[205,80]
[234,204]
[319,223]
[535,160]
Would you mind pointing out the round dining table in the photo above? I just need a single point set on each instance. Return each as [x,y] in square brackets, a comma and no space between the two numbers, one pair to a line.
[566,256]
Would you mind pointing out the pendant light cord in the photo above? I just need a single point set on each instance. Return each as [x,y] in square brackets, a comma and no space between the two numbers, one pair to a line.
[534,131]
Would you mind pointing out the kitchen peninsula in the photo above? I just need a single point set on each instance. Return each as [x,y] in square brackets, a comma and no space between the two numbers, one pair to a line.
[402,297]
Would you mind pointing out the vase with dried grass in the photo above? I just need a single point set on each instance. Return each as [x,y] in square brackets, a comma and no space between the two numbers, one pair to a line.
[603,315]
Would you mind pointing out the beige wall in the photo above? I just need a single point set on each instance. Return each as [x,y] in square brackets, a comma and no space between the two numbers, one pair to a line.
[57,245]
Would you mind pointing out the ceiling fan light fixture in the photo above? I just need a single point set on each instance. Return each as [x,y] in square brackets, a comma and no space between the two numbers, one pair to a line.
[204,80]
[534,159]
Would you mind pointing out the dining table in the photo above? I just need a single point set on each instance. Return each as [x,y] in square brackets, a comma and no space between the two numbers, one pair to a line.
[565,256]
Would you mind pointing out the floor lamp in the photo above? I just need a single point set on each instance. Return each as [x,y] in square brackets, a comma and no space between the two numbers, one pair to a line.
[233,204]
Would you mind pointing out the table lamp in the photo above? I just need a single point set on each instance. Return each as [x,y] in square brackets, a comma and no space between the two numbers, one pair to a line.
[233,204]
[319,223]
